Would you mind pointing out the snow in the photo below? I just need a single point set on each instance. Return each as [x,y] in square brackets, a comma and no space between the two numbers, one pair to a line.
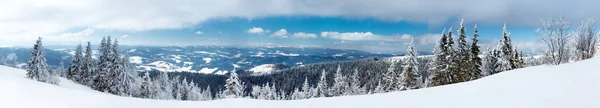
[136,59]
[207,70]
[132,50]
[263,69]
[285,54]
[572,85]
[207,60]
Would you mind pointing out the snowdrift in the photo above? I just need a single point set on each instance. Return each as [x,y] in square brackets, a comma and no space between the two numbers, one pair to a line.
[574,85]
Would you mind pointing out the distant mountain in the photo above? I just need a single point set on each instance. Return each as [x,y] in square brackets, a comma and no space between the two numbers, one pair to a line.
[208,59]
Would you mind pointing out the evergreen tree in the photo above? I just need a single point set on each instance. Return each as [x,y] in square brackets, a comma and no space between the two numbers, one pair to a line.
[194,94]
[74,70]
[102,79]
[256,90]
[507,52]
[340,84]
[146,91]
[184,89]
[164,92]
[475,70]
[117,74]
[61,69]
[87,67]
[207,93]
[37,66]
[233,86]
[463,56]
[452,68]
[306,89]
[391,79]
[411,79]
[439,69]
[356,88]
[379,88]
[321,89]
[176,84]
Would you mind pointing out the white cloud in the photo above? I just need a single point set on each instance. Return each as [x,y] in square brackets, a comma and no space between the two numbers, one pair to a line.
[304,35]
[23,20]
[281,33]
[124,36]
[199,32]
[360,36]
[257,30]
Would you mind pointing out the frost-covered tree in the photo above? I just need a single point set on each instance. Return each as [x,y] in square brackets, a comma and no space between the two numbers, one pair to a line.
[306,90]
[439,68]
[585,40]
[102,78]
[296,94]
[74,71]
[184,89]
[233,86]
[165,91]
[554,33]
[322,88]
[490,63]
[88,66]
[195,93]
[61,69]
[411,79]
[176,88]
[463,56]
[256,91]
[355,87]
[339,83]
[37,67]
[391,79]
[378,88]
[207,93]
[475,71]
[146,89]
[117,72]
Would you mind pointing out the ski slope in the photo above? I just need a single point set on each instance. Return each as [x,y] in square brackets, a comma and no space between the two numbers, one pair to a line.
[574,85]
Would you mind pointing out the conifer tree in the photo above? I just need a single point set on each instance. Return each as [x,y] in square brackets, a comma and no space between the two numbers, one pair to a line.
[87,66]
[463,56]
[207,93]
[306,89]
[391,79]
[164,91]
[102,77]
[411,79]
[356,88]
[439,69]
[322,88]
[74,70]
[475,70]
[379,88]
[339,84]
[37,66]
[61,69]
[146,91]
[233,86]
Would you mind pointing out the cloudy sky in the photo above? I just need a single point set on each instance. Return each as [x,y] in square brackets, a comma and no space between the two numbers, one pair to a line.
[368,25]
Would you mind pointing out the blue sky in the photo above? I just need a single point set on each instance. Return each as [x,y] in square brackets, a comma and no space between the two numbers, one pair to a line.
[367,25]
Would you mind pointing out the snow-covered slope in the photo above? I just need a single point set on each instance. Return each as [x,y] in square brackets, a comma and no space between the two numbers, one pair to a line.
[574,85]
[267,69]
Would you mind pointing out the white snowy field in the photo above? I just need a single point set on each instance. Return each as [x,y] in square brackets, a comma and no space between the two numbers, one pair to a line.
[574,85]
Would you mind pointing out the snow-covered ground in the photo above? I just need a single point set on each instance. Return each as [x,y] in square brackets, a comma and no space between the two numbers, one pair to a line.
[263,69]
[574,85]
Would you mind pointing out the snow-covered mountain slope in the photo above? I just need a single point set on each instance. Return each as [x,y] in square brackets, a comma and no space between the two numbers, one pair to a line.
[267,69]
[573,85]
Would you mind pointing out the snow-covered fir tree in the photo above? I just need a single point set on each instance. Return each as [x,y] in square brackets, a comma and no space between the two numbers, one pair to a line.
[62,72]
[296,94]
[411,79]
[176,88]
[233,86]
[88,66]
[306,90]
[355,86]
[463,56]
[322,88]
[339,83]
[378,88]
[74,70]
[165,91]
[475,69]
[506,51]
[184,89]
[391,79]
[37,67]
[207,93]
[256,91]
[117,71]
[102,78]
[452,68]
[438,70]
[146,89]
[195,93]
